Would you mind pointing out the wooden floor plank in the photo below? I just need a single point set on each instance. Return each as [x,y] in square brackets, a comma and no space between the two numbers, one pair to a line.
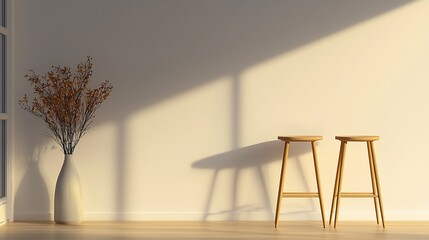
[214,230]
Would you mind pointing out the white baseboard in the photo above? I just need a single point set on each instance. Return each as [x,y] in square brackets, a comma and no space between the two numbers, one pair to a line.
[200,216]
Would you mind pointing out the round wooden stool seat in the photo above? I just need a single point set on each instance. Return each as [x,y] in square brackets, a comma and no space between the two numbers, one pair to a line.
[300,138]
[357,138]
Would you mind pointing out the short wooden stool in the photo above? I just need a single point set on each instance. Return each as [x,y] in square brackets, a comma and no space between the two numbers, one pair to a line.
[374,177]
[281,194]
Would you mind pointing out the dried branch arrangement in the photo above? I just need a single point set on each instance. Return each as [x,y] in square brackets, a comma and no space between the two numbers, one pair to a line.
[65,103]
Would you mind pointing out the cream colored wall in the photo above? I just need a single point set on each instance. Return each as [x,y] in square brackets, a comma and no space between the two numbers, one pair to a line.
[203,89]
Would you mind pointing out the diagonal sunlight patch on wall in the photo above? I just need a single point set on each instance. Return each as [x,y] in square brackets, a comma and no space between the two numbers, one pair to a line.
[296,91]
[167,142]
[290,93]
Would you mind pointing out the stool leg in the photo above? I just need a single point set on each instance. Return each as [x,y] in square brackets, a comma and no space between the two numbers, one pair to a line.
[374,189]
[334,197]
[282,176]
[377,181]
[337,208]
[319,190]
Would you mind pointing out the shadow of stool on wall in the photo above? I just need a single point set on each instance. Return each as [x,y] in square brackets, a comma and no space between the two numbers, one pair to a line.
[252,157]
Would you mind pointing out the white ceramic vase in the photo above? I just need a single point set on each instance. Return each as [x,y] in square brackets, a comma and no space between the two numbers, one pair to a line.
[68,207]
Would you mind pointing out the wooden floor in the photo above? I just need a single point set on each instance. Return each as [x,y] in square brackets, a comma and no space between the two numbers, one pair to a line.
[214,230]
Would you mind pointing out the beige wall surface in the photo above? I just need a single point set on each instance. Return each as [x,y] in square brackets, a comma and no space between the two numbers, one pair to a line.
[203,89]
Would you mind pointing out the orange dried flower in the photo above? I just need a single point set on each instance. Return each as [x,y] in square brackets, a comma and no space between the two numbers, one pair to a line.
[65,103]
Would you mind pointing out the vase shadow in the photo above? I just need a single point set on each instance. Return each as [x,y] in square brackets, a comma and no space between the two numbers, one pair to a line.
[34,185]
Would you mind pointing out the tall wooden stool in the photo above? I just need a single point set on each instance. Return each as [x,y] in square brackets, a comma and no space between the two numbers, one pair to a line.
[281,194]
[375,194]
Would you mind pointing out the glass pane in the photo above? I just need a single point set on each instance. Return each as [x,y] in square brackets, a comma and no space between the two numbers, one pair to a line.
[2,75]
[2,159]
[3,13]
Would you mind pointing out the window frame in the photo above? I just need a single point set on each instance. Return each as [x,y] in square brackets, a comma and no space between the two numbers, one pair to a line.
[7,115]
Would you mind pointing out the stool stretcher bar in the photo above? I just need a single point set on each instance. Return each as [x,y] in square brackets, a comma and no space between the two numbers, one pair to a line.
[358,195]
[300,194]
